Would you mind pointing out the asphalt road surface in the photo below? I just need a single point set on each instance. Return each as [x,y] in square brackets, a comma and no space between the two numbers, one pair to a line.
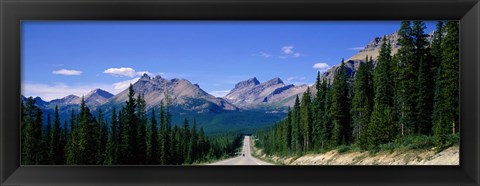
[243,160]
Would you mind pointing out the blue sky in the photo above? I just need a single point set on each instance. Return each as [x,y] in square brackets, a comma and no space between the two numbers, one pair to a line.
[60,58]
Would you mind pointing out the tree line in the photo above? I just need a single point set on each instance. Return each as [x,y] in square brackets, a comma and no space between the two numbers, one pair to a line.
[412,93]
[129,138]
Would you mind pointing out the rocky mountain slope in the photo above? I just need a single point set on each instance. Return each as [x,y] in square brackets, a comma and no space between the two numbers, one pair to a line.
[273,93]
[181,93]
[93,99]
[372,49]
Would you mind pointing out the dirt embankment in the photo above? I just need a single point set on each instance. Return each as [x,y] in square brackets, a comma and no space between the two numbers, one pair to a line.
[449,156]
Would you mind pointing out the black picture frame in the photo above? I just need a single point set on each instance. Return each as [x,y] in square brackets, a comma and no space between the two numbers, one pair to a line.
[12,12]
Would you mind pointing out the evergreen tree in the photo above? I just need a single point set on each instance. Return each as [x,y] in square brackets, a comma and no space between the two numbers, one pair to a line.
[103,139]
[318,113]
[424,101]
[185,132]
[130,156]
[72,154]
[113,141]
[31,148]
[341,106]
[122,144]
[306,119]
[63,144]
[192,150]
[381,128]
[142,129]
[327,121]
[297,130]
[289,130]
[153,146]
[446,111]
[436,50]
[176,149]
[362,100]
[424,82]
[47,134]
[406,77]
[55,153]
[88,137]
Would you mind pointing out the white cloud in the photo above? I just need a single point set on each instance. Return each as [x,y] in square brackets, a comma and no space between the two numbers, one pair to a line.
[125,71]
[48,92]
[66,72]
[265,55]
[287,49]
[120,86]
[219,93]
[321,66]
[288,52]
[356,48]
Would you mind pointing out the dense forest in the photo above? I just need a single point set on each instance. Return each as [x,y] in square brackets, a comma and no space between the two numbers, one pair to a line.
[129,137]
[409,97]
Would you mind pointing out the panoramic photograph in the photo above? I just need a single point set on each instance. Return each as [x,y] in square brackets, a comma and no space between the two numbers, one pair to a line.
[209,93]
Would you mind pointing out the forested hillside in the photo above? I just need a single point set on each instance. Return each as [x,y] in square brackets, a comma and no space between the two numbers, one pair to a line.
[410,97]
[130,137]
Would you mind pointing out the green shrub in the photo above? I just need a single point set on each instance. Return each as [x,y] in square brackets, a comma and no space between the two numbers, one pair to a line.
[343,148]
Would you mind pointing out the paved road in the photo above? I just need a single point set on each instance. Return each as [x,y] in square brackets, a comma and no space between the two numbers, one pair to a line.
[243,160]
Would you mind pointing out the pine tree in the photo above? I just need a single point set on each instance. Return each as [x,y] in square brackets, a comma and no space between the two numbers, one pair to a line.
[424,82]
[185,133]
[153,146]
[130,156]
[73,142]
[176,152]
[63,144]
[306,119]
[327,121]
[88,137]
[446,107]
[47,136]
[341,106]
[192,150]
[421,49]
[31,148]
[55,153]
[406,77]
[362,101]
[318,112]
[103,139]
[121,144]
[113,141]
[424,96]
[381,128]
[436,50]
[142,130]
[297,130]
[289,130]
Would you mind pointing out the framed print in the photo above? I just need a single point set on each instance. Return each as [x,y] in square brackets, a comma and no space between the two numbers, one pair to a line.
[239,92]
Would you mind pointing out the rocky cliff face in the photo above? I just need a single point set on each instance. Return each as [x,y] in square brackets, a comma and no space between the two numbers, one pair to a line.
[273,93]
[97,97]
[181,93]
[372,49]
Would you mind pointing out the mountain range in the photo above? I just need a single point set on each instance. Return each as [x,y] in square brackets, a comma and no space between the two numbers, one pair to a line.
[250,104]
